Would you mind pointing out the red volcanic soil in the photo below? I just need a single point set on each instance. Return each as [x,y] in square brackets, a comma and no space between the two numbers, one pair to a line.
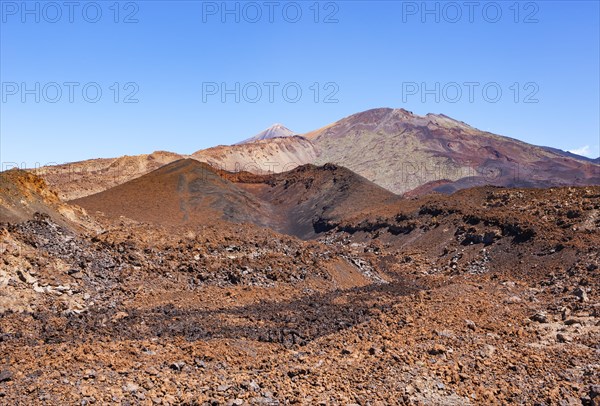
[187,193]
[22,194]
[309,196]
[486,296]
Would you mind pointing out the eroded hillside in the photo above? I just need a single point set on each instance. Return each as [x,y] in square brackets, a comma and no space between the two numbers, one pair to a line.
[486,296]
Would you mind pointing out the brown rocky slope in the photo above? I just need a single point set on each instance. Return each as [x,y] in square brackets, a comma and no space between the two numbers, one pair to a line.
[486,296]
[191,193]
[402,151]
[23,194]
[79,179]
[396,149]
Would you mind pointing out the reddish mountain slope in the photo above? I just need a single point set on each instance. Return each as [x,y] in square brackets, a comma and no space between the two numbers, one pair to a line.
[393,148]
[185,192]
[402,151]
[190,193]
[309,196]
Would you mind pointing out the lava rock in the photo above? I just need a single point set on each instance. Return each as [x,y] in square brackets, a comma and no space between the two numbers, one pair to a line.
[540,317]
[5,376]
[581,294]
[564,338]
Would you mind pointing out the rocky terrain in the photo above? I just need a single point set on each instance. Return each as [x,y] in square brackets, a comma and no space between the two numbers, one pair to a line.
[79,179]
[23,194]
[272,155]
[402,151]
[267,155]
[485,296]
[394,148]
[191,193]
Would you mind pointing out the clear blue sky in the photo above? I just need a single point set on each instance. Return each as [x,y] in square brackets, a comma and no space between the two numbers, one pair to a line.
[371,54]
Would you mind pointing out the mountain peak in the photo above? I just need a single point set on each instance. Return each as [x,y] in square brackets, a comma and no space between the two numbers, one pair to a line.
[277,130]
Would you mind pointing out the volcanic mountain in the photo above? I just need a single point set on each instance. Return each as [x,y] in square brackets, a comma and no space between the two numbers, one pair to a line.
[251,316]
[402,151]
[190,193]
[274,155]
[275,131]
[309,196]
[394,148]
[185,192]
[79,179]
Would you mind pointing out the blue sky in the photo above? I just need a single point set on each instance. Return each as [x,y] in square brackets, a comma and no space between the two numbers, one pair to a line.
[170,72]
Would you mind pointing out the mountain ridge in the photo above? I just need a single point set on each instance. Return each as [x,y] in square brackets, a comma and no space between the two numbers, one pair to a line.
[191,193]
[395,148]
[402,151]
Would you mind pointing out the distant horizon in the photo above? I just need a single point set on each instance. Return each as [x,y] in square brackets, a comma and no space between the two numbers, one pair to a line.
[185,76]
[187,154]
